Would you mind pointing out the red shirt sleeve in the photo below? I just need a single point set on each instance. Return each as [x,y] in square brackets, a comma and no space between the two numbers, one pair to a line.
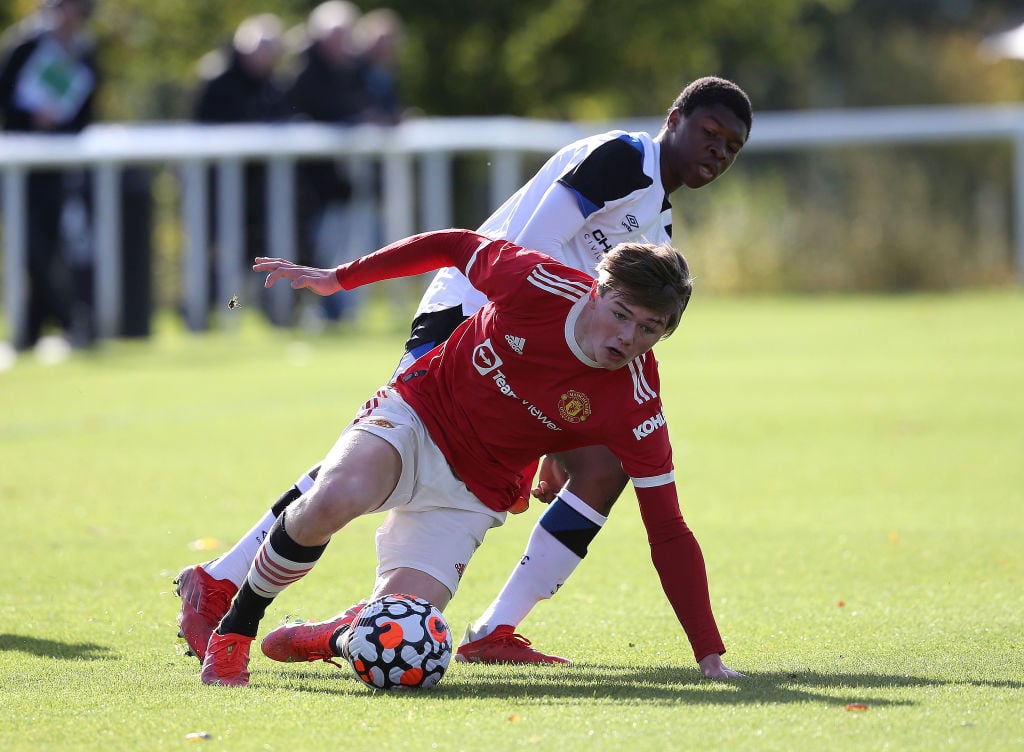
[414,255]
[680,565]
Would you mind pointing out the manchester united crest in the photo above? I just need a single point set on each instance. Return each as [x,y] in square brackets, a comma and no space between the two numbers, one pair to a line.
[574,406]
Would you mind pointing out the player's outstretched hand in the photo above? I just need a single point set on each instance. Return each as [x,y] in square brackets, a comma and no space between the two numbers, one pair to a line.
[320,281]
[713,668]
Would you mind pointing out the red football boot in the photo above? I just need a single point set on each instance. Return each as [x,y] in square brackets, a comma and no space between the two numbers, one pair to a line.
[308,640]
[502,645]
[204,601]
[227,660]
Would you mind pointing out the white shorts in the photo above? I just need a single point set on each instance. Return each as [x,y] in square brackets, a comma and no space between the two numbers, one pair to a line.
[434,524]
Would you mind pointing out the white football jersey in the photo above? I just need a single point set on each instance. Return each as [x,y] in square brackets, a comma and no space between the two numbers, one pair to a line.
[615,180]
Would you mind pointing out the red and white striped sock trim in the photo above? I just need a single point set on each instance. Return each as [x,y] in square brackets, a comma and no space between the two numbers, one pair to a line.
[271,573]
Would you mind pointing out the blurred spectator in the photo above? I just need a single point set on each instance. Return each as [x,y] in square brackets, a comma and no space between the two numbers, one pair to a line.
[330,87]
[377,37]
[48,81]
[240,86]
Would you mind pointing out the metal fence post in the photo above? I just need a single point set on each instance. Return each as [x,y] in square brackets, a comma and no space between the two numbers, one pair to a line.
[436,191]
[1018,202]
[230,237]
[398,197]
[107,256]
[281,206]
[195,272]
[15,239]
[505,176]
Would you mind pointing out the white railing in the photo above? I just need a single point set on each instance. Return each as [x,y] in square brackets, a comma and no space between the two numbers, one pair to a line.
[429,144]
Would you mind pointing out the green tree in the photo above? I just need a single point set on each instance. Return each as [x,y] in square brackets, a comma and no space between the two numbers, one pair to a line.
[591,58]
[150,50]
[540,58]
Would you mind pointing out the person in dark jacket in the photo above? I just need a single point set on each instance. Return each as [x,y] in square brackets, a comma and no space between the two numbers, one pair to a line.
[240,85]
[330,88]
[378,36]
[48,82]
[244,88]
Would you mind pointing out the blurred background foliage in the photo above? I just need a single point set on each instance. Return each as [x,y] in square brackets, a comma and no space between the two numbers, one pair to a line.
[889,218]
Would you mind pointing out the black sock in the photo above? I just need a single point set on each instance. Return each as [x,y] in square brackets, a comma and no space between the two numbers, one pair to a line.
[279,562]
[245,614]
[285,501]
[291,494]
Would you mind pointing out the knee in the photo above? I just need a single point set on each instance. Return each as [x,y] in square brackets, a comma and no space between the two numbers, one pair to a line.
[325,509]
[311,521]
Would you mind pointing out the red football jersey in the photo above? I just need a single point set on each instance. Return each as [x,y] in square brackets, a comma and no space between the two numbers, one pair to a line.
[511,384]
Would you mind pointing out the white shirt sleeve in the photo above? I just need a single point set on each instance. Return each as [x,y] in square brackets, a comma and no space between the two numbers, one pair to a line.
[554,222]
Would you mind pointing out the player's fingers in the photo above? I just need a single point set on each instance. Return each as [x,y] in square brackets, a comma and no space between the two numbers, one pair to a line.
[274,275]
[264,263]
[543,492]
[728,673]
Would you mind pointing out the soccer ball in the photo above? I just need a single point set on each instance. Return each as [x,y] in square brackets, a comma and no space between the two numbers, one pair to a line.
[399,642]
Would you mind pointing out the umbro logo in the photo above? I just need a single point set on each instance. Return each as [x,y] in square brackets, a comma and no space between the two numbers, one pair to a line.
[516,343]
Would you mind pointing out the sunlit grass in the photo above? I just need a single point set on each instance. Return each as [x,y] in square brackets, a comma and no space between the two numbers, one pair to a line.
[851,466]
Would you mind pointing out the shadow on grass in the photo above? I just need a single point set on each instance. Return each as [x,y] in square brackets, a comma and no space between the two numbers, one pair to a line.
[648,684]
[88,651]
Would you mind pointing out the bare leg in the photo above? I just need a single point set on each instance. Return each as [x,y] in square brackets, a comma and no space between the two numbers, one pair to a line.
[234,564]
[357,477]
[412,582]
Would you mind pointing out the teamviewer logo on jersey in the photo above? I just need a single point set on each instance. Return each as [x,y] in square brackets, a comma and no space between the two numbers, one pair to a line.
[485,359]
[516,343]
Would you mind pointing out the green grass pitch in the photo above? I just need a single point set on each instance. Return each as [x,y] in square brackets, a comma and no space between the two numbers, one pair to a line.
[853,468]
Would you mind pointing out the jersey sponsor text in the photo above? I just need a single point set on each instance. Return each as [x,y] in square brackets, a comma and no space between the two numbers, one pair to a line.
[649,426]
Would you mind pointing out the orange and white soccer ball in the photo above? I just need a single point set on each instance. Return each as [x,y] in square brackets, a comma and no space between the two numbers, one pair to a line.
[399,642]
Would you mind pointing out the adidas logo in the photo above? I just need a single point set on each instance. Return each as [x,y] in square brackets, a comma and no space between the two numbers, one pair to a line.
[516,343]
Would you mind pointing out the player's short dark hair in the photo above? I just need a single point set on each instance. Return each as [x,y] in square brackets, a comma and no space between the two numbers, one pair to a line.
[651,275]
[711,90]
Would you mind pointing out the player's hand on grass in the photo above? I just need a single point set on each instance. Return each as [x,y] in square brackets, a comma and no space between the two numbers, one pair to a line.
[550,480]
[321,281]
[713,668]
